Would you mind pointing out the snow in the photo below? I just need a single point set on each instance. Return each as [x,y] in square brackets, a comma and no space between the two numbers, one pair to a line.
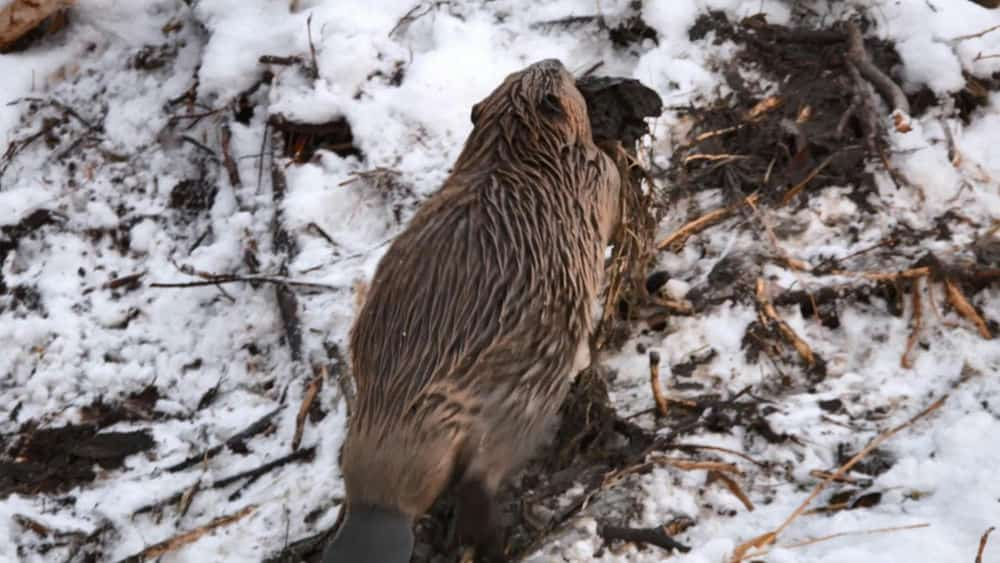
[451,55]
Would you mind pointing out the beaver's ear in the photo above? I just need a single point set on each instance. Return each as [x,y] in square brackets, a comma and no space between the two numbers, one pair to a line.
[550,105]
[475,113]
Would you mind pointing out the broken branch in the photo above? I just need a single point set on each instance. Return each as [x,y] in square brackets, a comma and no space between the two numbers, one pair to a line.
[858,56]
[654,536]
[676,240]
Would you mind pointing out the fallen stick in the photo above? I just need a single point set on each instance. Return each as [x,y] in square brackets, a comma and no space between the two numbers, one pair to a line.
[713,448]
[797,188]
[763,540]
[889,276]
[180,540]
[694,464]
[678,237]
[916,320]
[964,308]
[653,536]
[257,427]
[733,487]
[858,56]
[770,312]
[678,307]
[654,381]
[982,544]
[227,157]
[300,420]
[262,469]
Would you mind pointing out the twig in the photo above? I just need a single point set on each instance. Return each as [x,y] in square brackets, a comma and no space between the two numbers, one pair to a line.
[591,69]
[916,322]
[812,541]
[412,15]
[865,107]
[280,60]
[677,307]
[187,497]
[676,240]
[267,467]
[733,487]
[197,144]
[764,106]
[768,538]
[249,279]
[654,381]
[797,188]
[312,48]
[654,536]
[964,308]
[180,540]
[227,158]
[307,401]
[820,474]
[769,312]
[713,157]
[975,35]
[694,464]
[891,276]
[323,234]
[982,544]
[713,448]
[857,55]
[257,427]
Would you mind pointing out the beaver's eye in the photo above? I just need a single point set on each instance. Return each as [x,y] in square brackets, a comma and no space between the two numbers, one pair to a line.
[550,105]
[475,114]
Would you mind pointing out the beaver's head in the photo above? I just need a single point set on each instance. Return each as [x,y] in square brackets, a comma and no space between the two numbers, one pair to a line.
[540,103]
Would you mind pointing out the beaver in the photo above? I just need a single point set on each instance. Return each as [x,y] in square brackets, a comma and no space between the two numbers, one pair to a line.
[477,320]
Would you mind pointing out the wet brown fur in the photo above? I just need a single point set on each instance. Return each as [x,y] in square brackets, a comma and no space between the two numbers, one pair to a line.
[480,312]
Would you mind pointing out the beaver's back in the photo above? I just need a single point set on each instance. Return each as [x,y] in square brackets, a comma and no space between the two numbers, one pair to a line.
[480,311]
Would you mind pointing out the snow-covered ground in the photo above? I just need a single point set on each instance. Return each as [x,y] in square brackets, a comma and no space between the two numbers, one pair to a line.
[406,86]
